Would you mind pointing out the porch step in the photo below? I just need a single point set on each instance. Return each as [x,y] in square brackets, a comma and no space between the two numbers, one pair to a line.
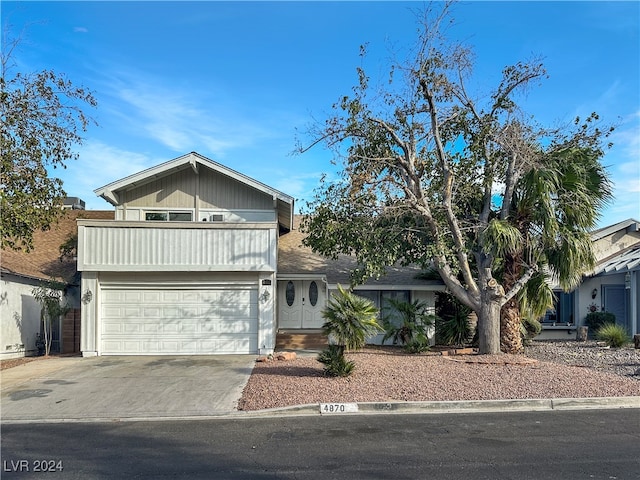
[300,340]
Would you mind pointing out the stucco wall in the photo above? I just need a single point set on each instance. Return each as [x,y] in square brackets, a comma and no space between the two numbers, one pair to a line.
[20,317]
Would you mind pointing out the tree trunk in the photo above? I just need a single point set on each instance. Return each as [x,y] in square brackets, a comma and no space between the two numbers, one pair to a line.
[489,328]
[510,316]
[510,336]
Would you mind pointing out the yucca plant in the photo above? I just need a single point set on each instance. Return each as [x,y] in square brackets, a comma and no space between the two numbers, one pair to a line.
[350,320]
[613,335]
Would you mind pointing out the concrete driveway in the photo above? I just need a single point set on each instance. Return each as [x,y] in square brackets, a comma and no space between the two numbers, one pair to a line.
[118,387]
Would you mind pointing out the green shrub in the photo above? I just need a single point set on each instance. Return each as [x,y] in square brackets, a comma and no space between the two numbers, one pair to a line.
[613,335]
[595,320]
[530,328]
[452,321]
[334,361]
[350,320]
[418,344]
[408,324]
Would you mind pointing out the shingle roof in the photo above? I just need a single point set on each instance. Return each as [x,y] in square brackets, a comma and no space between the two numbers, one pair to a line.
[43,261]
[296,259]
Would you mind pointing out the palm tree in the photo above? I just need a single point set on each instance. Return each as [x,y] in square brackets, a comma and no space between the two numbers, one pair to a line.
[350,319]
[554,208]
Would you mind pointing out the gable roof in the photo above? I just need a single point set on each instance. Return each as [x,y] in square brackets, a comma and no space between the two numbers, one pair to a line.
[297,259]
[43,261]
[630,225]
[625,236]
[195,160]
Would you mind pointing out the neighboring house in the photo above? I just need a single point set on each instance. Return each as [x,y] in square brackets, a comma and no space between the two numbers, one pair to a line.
[201,259]
[22,271]
[613,286]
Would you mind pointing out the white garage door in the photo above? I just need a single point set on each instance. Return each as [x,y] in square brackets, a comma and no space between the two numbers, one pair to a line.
[210,320]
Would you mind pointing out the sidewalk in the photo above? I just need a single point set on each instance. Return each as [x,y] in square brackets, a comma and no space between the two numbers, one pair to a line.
[76,389]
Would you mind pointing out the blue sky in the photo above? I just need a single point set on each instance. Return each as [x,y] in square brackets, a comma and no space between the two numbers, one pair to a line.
[234,81]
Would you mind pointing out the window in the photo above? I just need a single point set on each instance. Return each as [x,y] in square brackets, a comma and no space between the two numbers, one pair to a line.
[562,311]
[380,298]
[290,293]
[168,216]
[313,293]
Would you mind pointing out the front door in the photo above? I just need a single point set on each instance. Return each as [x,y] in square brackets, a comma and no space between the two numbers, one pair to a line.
[614,298]
[301,303]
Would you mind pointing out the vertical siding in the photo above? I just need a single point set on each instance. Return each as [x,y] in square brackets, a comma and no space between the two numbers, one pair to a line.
[129,248]
[220,191]
[172,191]
[215,190]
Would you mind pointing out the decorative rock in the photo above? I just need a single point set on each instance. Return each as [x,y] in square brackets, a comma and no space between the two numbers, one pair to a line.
[286,356]
[582,333]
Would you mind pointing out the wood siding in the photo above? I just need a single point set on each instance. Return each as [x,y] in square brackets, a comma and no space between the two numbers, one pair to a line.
[141,246]
[183,187]
[220,191]
[173,191]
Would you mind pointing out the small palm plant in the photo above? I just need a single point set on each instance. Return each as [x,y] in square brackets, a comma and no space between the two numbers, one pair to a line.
[335,363]
[350,321]
[613,335]
[408,323]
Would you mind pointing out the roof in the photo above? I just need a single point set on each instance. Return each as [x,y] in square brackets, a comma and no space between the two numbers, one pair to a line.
[110,192]
[628,259]
[629,225]
[625,236]
[43,261]
[297,259]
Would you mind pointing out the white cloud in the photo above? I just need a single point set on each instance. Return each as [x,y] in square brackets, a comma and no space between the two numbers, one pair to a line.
[81,29]
[178,119]
[99,165]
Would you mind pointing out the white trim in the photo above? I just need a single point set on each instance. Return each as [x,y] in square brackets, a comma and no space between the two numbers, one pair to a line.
[184,225]
[395,287]
[629,225]
[302,276]
[192,159]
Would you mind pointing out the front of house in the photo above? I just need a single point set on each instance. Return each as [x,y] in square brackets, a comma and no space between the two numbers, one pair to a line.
[201,259]
[613,286]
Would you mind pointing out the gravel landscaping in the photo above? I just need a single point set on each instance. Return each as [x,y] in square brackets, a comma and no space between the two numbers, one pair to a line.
[547,370]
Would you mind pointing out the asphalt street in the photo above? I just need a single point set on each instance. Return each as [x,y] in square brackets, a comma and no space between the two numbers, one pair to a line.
[589,444]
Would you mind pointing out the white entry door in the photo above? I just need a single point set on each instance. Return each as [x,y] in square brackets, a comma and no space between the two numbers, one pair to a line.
[301,303]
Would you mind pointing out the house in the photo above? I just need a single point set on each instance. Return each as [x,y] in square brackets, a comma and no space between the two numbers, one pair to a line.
[22,271]
[201,259]
[613,285]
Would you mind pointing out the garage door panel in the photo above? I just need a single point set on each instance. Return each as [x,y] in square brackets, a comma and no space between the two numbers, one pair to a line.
[179,321]
[133,297]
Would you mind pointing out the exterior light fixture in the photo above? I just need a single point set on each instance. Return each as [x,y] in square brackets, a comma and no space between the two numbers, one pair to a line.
[594,293]
[87,296]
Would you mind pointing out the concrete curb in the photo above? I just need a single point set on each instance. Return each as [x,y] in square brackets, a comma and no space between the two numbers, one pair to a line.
[380,408]
[461,406]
